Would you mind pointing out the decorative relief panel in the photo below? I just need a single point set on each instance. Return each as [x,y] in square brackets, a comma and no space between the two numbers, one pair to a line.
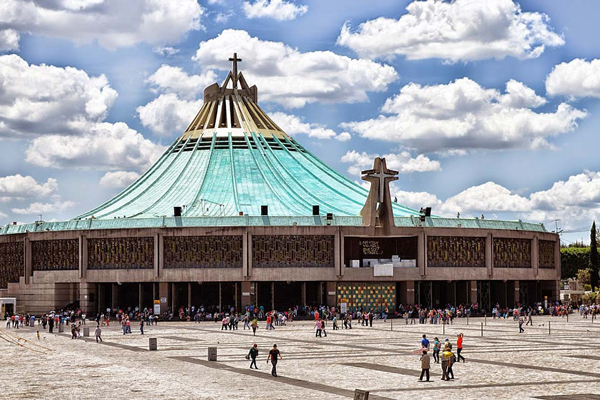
[292,251]
[451,252]
[52,255]
[203,252]
[121,253]
[546,253]
[512,253]
[367,296]
[12,263]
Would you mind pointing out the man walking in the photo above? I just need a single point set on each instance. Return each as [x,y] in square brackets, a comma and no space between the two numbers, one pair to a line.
[521,330]
[252,355]
[98,334]
[425,364]
[274,355]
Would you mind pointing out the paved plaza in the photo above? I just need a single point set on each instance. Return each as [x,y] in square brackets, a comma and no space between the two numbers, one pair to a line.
[502,364]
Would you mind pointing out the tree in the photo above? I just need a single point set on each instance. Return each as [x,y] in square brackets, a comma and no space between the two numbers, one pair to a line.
[584,276]
[593,257]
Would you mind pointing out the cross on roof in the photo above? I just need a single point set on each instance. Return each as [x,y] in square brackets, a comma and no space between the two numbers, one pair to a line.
[235,60]
[383,174]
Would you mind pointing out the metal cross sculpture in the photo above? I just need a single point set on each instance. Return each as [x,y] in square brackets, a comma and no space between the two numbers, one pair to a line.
[380,176]
[235,60]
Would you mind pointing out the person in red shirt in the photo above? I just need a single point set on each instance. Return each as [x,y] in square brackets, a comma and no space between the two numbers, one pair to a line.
[459,347]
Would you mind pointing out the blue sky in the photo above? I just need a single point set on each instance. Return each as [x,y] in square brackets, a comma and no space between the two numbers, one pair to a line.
[423,83]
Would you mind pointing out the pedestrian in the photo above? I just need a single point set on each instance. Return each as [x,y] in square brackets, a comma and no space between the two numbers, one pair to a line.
[521,330]
[335,325]
[370,316]
[142,326]
[436,350]
[447,357]
[451,363]
[252,354]
[274,355]
[459,347]
[318,327]
[98,334]
[246,322]
[254,325]
[425,342]
[529,319]
[425,364]
[323,323]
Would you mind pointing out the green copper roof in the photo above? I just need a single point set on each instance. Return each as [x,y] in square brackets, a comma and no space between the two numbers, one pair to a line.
[223,176]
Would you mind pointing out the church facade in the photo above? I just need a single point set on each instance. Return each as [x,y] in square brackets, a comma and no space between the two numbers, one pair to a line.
[237,212]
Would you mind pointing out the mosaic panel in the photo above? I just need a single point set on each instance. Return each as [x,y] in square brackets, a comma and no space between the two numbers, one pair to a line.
[512,253]
[546,253]
[451,252]
[12,263]
[203,252]
[121,253]
[53,255]
[367,296]
[292,251]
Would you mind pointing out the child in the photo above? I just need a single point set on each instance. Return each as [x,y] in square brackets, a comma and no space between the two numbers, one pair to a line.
[425,364]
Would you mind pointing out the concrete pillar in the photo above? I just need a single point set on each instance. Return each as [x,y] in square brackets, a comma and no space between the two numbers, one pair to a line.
[236,294]
[557,264]
[100,298]
[189,295]
[140,296]
[337,260]
[410,293]
[157,247]
[248,254]
[535,256]
[320,292]
[173,296]
[246,293]
[163,294]
[80,257]
[342,253]
[517,292]
[245,253]
[114,296]
[272,295]
[28,268]
[421,254]
[220,290]
[330,287]
[489,259]
[303,294]
[472,291]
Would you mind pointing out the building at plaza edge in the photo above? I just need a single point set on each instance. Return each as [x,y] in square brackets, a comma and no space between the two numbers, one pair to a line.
[237,212]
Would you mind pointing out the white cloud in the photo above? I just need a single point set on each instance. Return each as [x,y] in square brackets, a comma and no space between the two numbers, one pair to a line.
[343,137]
[118,179]
[577,78]
[463,115]
[165,51]
[43,99]
[574,201]
[44,208]
[488,197]
[169,79]
[168,114]
[104,145]
[280,10]
[416,200]
[9,40]
[461,30]
[113,23]
[20,187]
[2,215]
[287,76]
[222,18]
[402,162]
[293,125]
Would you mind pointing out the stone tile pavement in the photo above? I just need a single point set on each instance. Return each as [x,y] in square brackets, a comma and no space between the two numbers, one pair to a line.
[563,363]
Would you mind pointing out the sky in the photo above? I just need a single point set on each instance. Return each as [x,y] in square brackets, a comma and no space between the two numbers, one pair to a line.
[484,107]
